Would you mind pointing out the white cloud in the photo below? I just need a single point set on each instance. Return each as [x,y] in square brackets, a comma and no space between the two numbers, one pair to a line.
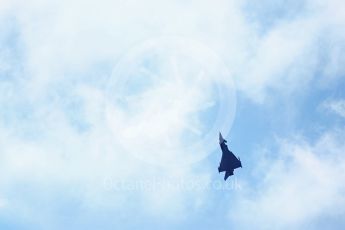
[297,185]
[335,106]
[61,43]
[3,203]
[59,37]
[64,160]
[76,170]
[283,59]
[294,51]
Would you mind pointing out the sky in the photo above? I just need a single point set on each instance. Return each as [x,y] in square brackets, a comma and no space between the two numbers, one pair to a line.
[110,113]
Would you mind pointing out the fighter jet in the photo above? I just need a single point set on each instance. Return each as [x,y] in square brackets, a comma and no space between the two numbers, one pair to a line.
[229,161]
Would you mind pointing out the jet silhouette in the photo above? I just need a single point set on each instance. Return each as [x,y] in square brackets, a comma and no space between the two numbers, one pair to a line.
[229,161]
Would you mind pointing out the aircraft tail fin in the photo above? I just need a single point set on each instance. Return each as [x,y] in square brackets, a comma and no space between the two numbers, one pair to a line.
[221,139]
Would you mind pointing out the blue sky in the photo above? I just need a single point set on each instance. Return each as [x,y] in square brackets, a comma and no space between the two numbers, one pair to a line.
[109,114]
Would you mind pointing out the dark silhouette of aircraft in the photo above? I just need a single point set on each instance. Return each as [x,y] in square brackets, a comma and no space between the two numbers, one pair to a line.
[229,161]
